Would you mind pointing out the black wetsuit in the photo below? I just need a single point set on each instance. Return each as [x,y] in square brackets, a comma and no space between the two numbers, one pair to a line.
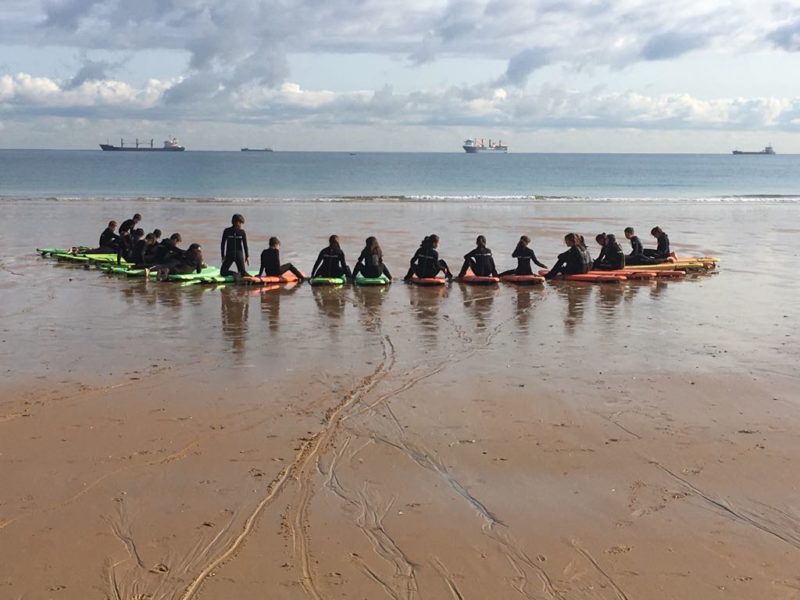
[480,261]
[137,253]
[525,256]
[426,263]
[128,225]
[272,267]
[233,248]
[611,258]
[109,241]
[371,265]
[330,263]
[662,248]
[188,262]
[574,261]
[165,252]
[637,256]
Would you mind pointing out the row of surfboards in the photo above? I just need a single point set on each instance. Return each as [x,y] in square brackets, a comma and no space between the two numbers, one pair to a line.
[211,275]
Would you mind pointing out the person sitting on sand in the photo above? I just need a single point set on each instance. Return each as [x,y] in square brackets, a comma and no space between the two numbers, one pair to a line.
[144,251]
[330,262]
[479,260]
[190,261]
[127,243]
[167,250]
[637,256]
[109,240]
[525,256]
[233,248]
[574,261]
[370,262]
[271,262]
[662,251]
[611,257]
[426,263]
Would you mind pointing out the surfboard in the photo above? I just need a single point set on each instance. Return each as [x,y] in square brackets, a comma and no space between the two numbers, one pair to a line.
[522,279]
[596,277]
[288,277]
[382,280]
[327,281]
[427,280]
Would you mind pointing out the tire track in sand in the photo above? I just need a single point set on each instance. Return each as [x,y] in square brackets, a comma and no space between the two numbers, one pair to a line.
[298,469]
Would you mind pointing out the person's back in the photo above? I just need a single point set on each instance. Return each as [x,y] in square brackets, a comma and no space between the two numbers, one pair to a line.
[479,260]
[167,250]
[109,240]
[331,261]
[270,262]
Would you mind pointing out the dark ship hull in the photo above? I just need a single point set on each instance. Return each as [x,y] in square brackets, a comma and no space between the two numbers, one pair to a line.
[110,148]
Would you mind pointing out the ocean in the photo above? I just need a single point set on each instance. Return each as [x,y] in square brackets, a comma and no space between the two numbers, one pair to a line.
[294,176]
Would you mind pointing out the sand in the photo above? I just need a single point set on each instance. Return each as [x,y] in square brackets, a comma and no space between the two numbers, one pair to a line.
[564,441]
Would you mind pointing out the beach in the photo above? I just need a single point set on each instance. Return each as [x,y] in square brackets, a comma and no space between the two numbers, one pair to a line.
[559,441]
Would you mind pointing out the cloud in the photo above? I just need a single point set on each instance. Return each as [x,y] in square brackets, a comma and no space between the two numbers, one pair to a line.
[786,37]
[521,65]
[670,44]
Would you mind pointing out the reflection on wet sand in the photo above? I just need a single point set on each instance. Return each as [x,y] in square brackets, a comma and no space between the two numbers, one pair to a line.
[331,300]
[370,301]
[271,296]
[478,301]
[425,302]
[576,296]
[153,293]
[235,305]
[526,297]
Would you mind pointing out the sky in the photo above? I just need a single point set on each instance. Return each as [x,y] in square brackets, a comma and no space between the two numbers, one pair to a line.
[417,75]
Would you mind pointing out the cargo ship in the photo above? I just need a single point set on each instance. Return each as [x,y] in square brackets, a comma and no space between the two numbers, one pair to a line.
[170,145]
[477,145]
[766,150]
[256,149]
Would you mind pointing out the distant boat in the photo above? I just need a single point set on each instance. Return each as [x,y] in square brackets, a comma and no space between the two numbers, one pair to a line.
[477,145]
[256,149]
[766,150]
[170,145]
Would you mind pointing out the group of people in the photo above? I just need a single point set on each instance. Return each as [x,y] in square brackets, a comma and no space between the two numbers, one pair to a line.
[149,251]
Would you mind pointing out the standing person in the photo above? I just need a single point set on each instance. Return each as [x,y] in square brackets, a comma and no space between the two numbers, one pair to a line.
[330,261]
[611,257]
[370,262]
[637,256]
[662,251]
[426,262]
[109,240]
[271,262]
[479,260]
[525,256]
[575,260]
[233,247]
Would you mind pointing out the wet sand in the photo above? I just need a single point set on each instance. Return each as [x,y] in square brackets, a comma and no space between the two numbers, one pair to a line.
[568,441]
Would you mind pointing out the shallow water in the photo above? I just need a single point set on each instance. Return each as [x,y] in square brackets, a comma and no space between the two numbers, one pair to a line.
[67,322]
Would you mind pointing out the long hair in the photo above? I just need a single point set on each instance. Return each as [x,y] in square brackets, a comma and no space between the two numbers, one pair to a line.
[523,242]
[333,242]
[480,242]
[371,246]
[429,241]
[656,231]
